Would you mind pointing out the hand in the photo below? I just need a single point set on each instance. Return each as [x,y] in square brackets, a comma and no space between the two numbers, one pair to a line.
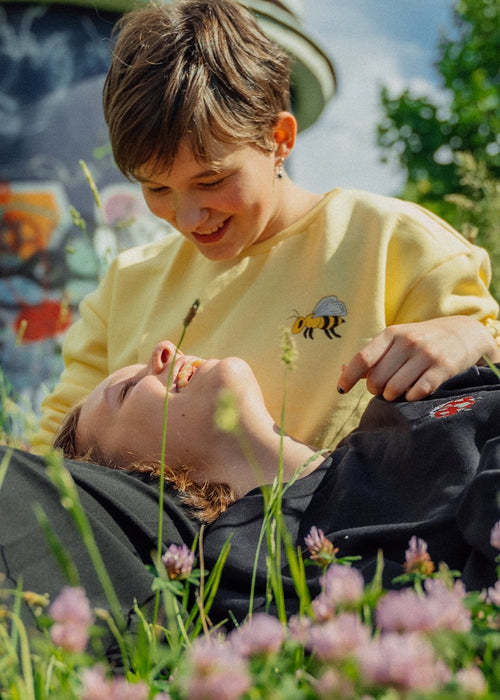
[416,358]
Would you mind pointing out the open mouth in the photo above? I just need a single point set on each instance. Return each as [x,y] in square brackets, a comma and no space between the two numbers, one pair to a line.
[214,236]
[186,373]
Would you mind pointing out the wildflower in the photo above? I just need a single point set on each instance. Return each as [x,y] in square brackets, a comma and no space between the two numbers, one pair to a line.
[472,681]
[343,584]
[323,608]
[407,661]
[97,687]
[493,594]
[216,672]
[333,684]
[299,627]
[407,611]
[338,638]
[72,618]
[495,535]
[418,560]
[320,548]
[178,561]
[261,635]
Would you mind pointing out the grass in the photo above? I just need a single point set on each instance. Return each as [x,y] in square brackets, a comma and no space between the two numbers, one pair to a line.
[429,641]
[344,651]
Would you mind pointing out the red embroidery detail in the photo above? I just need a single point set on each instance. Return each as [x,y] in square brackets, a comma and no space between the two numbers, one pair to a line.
[452,407]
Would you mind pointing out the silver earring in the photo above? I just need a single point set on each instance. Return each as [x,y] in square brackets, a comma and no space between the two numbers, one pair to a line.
[279,171]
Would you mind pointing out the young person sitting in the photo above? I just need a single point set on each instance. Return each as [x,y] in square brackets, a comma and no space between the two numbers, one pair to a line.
[383,296]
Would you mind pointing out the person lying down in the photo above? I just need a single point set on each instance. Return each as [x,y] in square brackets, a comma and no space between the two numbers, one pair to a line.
[120,424]
[428,468]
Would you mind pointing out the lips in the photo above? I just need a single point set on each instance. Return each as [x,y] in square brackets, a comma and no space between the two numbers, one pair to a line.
[214,236]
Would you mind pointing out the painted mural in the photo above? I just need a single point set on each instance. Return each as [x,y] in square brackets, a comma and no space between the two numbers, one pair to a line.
[56,238]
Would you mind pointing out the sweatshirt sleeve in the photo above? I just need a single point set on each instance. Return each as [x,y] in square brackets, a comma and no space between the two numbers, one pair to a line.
[444,275]
[85,362]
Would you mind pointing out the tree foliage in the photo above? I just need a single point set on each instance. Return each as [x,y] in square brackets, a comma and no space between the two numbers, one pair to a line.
[450,148]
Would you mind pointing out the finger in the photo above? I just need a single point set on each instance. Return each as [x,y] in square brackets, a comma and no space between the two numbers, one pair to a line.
[428,382]
[393,381]
[363,362]
[396,371]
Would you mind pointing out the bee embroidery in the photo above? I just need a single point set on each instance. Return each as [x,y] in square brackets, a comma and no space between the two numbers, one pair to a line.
[326,316]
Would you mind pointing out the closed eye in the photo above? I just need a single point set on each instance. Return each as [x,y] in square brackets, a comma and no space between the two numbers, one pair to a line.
[157,190]
[214,184]
[124,390]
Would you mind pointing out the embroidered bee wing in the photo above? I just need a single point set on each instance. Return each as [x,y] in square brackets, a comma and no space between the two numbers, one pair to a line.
[330,306]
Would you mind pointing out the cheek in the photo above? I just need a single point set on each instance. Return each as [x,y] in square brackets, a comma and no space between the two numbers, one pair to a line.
[158,205]
[141,426]
[190,427]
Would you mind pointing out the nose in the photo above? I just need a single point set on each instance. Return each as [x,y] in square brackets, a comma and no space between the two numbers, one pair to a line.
[189,213]
[162,356]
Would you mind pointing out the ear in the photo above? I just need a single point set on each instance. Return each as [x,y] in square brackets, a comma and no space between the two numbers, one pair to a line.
[284,134]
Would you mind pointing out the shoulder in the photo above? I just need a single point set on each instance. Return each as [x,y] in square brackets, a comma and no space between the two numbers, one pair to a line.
[142,254]
[382,205]
[149,251]
[395,219]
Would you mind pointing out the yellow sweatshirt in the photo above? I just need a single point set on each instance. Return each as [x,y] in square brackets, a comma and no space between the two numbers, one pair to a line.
[353,265]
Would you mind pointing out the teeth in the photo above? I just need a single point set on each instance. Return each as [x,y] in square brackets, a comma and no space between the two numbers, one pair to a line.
[214,230]
[186,372]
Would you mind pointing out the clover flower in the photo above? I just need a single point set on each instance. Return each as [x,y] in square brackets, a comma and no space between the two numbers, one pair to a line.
[417,558]
[333,684]
[72,618]
[97,687]
[262,634]
[323,608]
[472,681]
[216,672]
[320,548]
[495,535]
[440,609]
[178,561]
[343,584]
[337,638]
[406,661]
[493,594]
[299,627]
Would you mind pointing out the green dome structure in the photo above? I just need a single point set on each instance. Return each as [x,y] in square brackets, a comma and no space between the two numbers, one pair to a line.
[313,74]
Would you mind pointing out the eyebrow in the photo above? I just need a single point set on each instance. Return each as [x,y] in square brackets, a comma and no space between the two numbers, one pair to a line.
[208,172]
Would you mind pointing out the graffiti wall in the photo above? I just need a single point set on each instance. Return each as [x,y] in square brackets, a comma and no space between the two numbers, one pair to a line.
[55,240]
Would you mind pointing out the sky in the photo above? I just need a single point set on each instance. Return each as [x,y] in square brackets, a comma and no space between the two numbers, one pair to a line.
[371,43]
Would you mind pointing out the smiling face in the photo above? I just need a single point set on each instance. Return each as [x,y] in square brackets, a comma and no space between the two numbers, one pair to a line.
[123,417]
[224,207]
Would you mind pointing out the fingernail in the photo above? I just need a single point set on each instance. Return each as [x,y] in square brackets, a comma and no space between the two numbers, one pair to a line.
[340,390]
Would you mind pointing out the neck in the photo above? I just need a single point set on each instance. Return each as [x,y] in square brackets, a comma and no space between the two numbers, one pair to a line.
[257,460]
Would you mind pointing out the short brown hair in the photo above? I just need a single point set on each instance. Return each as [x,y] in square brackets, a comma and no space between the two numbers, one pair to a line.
[200,70]
[205,500]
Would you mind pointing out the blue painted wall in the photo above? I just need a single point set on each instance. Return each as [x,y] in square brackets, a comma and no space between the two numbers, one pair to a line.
[53,59]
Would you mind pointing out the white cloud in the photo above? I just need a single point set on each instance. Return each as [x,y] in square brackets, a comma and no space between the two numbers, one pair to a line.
[341,150]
